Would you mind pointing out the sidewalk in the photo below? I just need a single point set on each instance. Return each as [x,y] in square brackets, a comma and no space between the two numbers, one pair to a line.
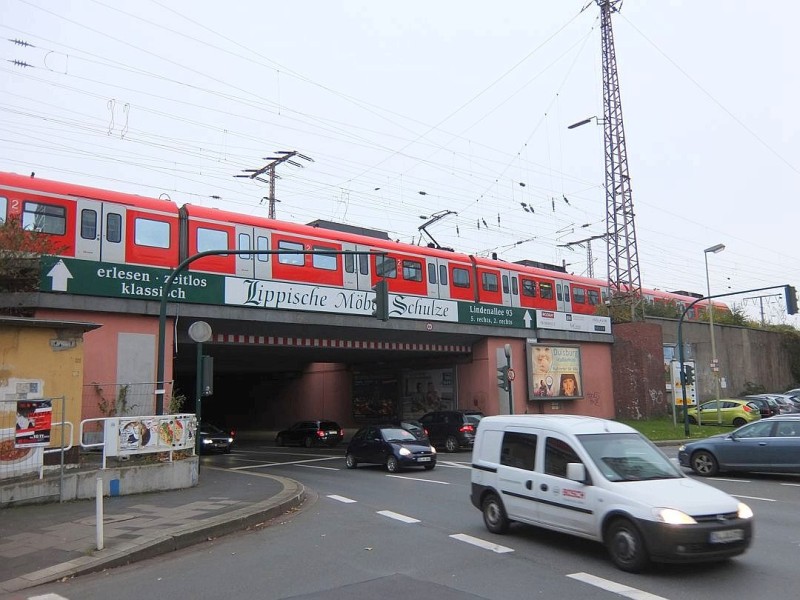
[43,543]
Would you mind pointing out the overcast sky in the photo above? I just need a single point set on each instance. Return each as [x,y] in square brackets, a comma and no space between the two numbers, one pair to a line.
[415,107]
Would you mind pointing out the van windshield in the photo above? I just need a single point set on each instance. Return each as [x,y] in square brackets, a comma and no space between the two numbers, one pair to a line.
[628,457]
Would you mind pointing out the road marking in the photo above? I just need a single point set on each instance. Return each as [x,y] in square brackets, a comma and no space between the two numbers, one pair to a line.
[454,465]
[463,537]
[318,467]
[732,480]
[792,484]
[47,597]
[341,499]
[419,479]
[753,498]
[281,464]
[398,516]
[613,586]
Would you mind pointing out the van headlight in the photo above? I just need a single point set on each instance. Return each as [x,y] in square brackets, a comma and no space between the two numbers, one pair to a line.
[745,512]
[671,516]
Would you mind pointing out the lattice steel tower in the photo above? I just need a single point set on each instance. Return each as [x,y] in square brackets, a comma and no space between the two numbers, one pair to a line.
[624,281]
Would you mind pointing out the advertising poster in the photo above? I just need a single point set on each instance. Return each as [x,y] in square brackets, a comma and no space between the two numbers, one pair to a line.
[34,418]
[140,435]
[374,397]
[554,372]
[428,390]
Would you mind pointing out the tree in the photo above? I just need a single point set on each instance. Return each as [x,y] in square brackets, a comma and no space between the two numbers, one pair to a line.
[20,250]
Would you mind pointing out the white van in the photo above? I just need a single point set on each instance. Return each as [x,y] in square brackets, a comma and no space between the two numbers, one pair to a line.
[603,481]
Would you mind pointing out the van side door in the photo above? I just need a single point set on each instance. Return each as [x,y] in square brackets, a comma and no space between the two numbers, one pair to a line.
[516,478]
[565,505]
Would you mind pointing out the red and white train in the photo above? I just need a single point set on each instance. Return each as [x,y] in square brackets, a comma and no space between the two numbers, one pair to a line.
[101,225]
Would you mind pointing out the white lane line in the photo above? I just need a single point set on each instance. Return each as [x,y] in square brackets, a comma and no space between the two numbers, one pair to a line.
[318,467]
[792,484]
[398,516]
[754,498]
[454,465]
[613,586]
[419,479]
[47,597]
[341,499]
[281,464]
[732,480]
[463,537]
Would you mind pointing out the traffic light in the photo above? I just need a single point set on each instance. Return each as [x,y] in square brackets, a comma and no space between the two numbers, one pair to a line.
[502,378]
[791,299]
[381,289]
[688,372]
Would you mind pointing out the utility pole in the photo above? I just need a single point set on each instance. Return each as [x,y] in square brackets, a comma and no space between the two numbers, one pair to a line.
[269,168]
[589,258]
[761,303]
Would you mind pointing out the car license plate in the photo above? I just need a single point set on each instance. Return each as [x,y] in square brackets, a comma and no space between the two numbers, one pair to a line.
[725,536]
[424,459]
[332,432]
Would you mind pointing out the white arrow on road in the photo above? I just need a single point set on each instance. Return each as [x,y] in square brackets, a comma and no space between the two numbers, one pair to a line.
[60,275]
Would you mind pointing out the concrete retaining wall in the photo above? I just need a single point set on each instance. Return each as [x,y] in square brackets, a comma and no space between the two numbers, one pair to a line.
[117,481]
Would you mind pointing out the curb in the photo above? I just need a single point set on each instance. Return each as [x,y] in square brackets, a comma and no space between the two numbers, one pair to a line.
[292,496]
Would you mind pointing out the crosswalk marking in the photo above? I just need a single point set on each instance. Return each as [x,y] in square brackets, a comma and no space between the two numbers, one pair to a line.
[398,516]
[341,499]
[613,586]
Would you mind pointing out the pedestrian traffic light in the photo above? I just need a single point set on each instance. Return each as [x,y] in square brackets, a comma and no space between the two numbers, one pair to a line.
[790,294]
[688,371]
[502,378]
[381,289]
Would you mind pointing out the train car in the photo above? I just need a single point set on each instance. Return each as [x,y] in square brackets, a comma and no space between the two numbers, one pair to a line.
[94,224]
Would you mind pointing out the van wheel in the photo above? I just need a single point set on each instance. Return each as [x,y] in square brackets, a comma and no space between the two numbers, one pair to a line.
[350,461]
[494,514]
[451,444]
[704,464]
[626,546]
[392,465]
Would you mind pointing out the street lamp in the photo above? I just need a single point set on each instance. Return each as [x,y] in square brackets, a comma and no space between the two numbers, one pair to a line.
[716,249]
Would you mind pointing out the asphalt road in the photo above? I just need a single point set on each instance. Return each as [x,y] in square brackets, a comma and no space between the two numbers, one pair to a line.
[367,533]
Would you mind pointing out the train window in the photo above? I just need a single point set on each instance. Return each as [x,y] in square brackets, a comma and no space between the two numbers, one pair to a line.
[594,297]
[45,218]
[3,208]
[385,266]
[324,261]
[489,281]
[529,288]
[147,232]
[363,264]
[579,295]
[114,227]
[243,244]
[213,239]
[262,243]
[460,277]
[349,263]
[412,270]
[691,313]
[514,286]
[442,275]
[558,292]
[431,273]
[89,224]
[291,259]
[546,290]
[566,292]
[505,284]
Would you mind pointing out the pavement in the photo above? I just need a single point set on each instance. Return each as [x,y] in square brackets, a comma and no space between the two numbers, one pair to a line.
[43,543]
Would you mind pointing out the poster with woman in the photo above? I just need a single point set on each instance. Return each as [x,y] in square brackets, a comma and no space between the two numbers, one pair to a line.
[554,372]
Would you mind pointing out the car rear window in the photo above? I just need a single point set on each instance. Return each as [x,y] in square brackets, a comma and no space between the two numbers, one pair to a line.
[328,425]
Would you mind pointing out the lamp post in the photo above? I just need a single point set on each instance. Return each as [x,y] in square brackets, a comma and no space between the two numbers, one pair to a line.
[716,249]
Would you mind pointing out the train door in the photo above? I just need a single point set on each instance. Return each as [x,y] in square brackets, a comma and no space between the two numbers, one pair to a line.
[563,299]
[101,231]
[356,267]
[438,284]
[510,287]
[257,266]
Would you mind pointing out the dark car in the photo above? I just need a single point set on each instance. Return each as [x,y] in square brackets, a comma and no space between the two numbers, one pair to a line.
[389,445]
[768,445]
[452,429]
[767,406]
[311,433]
[415,427]
[785,405]
[215,439]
